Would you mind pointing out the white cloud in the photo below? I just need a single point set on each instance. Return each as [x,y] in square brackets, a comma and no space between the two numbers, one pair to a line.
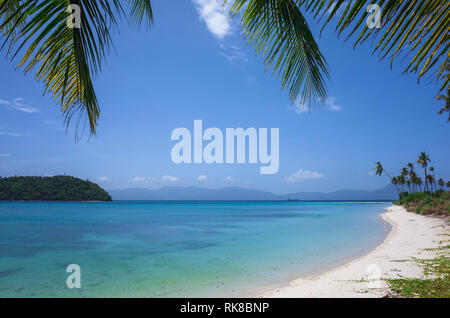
[215,17]
[53,123]
[169,178]
[141,179]
[202,178]
[330,105]
[104,179]
[20,105]
[371,173]
[302,175]
[300,108]
[4,155]
[228,179]
[233,53]
[10,134]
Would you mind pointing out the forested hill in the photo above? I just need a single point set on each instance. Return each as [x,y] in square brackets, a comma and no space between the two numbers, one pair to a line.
[58,188]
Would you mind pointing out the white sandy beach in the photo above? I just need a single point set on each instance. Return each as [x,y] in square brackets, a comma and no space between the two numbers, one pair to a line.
[411,234]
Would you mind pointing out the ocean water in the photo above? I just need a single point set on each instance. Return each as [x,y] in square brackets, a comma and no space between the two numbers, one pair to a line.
[178,249]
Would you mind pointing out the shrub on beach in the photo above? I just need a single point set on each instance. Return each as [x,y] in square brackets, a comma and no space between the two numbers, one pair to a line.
[437,203]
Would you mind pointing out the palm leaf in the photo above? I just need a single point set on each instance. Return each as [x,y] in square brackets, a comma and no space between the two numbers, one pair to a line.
[277,30]
[416,28]
[65,59]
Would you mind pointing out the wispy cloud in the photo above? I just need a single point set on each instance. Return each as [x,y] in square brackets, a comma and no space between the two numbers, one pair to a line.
[300,108]
[251,79]
[10,134]
[302,175]
[233,54]
[141,179]
[228,179]
[20,104]
[202,178]
[330,105]
[168,178]
[215,16]
[104,179]
[4,155]
[54,124]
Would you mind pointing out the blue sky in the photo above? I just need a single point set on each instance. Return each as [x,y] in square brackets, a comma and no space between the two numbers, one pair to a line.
[194,64]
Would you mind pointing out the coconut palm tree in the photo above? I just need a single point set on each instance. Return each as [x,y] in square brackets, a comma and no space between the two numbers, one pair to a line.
[434,177]
[430,170]
[404,175]
[410,165]
[430,181]
[414,180]
[441,183]
[401,181]
[423,161]
[404,172]
[448,184]
[394,181]
[379,169]
[419,183]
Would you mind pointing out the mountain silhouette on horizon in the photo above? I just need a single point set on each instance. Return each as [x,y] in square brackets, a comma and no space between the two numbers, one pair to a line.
[387,193]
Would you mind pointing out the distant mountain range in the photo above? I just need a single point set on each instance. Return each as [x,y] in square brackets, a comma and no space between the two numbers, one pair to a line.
[387,193]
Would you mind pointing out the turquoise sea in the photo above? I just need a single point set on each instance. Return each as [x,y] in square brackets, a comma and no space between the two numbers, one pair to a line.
[177,249]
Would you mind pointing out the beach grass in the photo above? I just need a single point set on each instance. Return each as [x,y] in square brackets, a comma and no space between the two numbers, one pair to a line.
[436,280]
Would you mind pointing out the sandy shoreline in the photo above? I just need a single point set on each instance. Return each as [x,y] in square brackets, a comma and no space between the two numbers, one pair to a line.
[410,235]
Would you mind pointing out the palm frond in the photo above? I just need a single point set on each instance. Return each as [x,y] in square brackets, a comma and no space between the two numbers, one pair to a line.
[64,58]
[139,10]
[419,28]
[277,30]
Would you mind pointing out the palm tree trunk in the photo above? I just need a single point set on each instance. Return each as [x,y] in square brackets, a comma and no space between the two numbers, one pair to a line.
[390,177]
[426,181]
[434,179]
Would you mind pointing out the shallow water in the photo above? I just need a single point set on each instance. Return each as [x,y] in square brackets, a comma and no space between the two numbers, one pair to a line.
[176,249]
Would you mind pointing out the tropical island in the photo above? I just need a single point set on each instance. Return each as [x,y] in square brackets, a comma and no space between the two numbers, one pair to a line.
[57,188]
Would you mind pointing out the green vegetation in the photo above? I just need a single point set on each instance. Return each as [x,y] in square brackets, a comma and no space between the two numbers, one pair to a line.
[436,283]
[437,203]
[433,200]
[59,188]
[66,58]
